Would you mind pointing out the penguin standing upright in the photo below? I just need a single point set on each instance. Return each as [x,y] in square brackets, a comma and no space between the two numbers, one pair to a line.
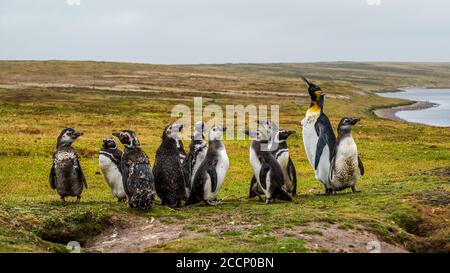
[318,136]
[66,175]
[137,176]
[109,160]
[345,162]
[168,171]
[266,168]
[209,178]
[278,146]
[197,153]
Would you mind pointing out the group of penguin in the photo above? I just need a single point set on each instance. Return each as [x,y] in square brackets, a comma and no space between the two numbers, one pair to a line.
[179,177]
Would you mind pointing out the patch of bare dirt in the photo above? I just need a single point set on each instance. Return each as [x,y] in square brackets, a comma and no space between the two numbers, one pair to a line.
[337,240]
[137,234]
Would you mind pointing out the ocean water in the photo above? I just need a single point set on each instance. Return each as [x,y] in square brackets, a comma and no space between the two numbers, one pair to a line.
[436,116]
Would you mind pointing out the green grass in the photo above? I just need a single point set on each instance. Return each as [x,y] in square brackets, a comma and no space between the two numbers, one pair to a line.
[407,166]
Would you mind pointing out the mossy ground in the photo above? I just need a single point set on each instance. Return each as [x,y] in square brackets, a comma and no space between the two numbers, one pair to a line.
[405,191]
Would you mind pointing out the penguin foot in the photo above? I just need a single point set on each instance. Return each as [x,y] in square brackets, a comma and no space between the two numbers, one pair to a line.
[328,192]
[63,200]
[355,190]
[213,202]
[78,199]
[268,201]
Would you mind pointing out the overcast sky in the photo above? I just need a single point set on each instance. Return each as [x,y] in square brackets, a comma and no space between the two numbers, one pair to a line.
[225,31]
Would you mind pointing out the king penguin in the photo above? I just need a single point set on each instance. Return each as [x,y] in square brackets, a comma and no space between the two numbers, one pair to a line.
[318,136]
[168,171]
[109,160]
[210,176]
[137,176]
[266,168]
[66,175]
[346,166]
[197,153]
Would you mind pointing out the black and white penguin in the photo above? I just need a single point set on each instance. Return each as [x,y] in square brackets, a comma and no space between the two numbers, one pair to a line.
[168,170]
[346,166]
[137,176]
[197,153]
[209,178]
[279,148]
[109,160]
[266,168]
[66,175]
[318,136]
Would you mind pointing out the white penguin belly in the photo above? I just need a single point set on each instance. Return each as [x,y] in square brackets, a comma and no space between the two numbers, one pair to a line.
[283,160]
[346,172]
[310,139]
[198,161]
[221,170]
[112,175]
[256,166]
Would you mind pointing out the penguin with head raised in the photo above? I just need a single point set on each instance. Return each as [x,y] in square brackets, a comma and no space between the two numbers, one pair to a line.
[109,160]
[168,170]
[66,175]
[137,176]
[209,178]
[266,169]
[279,148]
[318,136]
[346,166]
[195,156]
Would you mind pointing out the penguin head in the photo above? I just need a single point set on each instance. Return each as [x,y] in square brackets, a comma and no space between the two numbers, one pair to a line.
[284,134]
[216,132]
[268,125]
[109,143]
[173,131]
[67,137]
[314,90]
[128,139]
[199,131]
[256,135]
[346,124]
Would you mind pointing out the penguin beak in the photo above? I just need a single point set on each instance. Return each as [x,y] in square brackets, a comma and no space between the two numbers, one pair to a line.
[116,134]
[181,128]
[224,129]
[77,134]
[290,133]
[356,120]
[247,132]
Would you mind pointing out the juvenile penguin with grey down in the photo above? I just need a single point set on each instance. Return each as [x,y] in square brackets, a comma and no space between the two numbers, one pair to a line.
[195,156]
[137,176]
[209,178]
[168,170]
[66,175]
[346,166]
[109,160]
[266,168]
[279,148]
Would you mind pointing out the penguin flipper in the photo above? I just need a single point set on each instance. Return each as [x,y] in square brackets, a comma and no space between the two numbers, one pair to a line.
[361,166]
[292,175]
[325,132]
[332,166]
[81,174]
[265,168]
[212,175]
[52,178]
[321,143]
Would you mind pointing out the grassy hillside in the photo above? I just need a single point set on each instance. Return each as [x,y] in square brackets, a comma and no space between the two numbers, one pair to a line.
[405,192]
